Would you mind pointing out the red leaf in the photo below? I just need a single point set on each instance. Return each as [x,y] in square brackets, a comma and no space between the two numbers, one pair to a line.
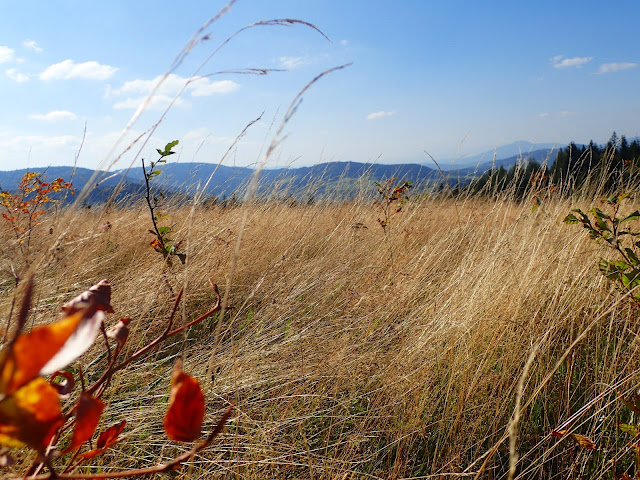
[110,435]
[183,421]
[106,439]
[88,413]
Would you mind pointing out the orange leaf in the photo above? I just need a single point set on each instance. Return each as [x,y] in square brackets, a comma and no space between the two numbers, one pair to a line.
[88,413]
[30,416]
[52,347]
[22,361]
[584,442]
[183,421]
[106,439]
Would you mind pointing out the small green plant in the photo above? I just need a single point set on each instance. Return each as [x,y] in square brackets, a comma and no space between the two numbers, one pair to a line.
[391,199]
[614,231]
[23,209]
[162,243]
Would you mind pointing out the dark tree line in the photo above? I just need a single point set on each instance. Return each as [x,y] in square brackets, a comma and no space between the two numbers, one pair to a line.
[602,168]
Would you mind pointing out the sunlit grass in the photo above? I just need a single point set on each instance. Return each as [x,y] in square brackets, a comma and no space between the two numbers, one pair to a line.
[349,353]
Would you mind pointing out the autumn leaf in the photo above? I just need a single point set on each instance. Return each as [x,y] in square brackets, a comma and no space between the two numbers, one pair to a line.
[584,442]
[30,416]
[49,348]
[120,331]
[88,413]
[183,421]
[77,343]
[23,361]
[98,296]
[106,439]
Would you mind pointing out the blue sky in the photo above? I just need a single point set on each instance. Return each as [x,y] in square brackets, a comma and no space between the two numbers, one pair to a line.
[451,77]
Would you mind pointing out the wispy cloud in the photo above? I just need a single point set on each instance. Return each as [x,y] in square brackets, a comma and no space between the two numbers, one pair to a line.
[543,114]
[54,116]
[137,90]
[17,76]
[560,61]
[202,134]
[68,69]
[291,63]
[616,67]
[380,114]
[566,113]
[31,45]
[6,54]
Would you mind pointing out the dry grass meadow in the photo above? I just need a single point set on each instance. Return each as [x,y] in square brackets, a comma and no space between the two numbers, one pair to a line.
[451,347]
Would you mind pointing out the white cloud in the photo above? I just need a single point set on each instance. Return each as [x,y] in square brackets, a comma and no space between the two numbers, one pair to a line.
[16,76]
[172,85]
[291,63]
[344,43]
[27,141]
[204,88]
[6,54]
[616,67]
[543,114]
[31,45]
[69,69]
[566,113]
[138,90]
[559,61]
[54,116]
[380,114]
[158,102]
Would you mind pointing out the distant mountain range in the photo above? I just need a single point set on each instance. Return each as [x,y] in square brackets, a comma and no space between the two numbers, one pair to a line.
[335,179]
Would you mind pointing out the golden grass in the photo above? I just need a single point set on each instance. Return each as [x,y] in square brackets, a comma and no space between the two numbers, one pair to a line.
[354,354]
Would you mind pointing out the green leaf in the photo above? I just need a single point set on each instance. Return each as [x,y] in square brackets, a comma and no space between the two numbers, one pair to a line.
[629,429]
[632,256]
[632,279]
[570,219]
[621,265]
[156,172]
[609,270]
[164,230]
[633,216]
[167,149]
[601,224]
[600,214]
